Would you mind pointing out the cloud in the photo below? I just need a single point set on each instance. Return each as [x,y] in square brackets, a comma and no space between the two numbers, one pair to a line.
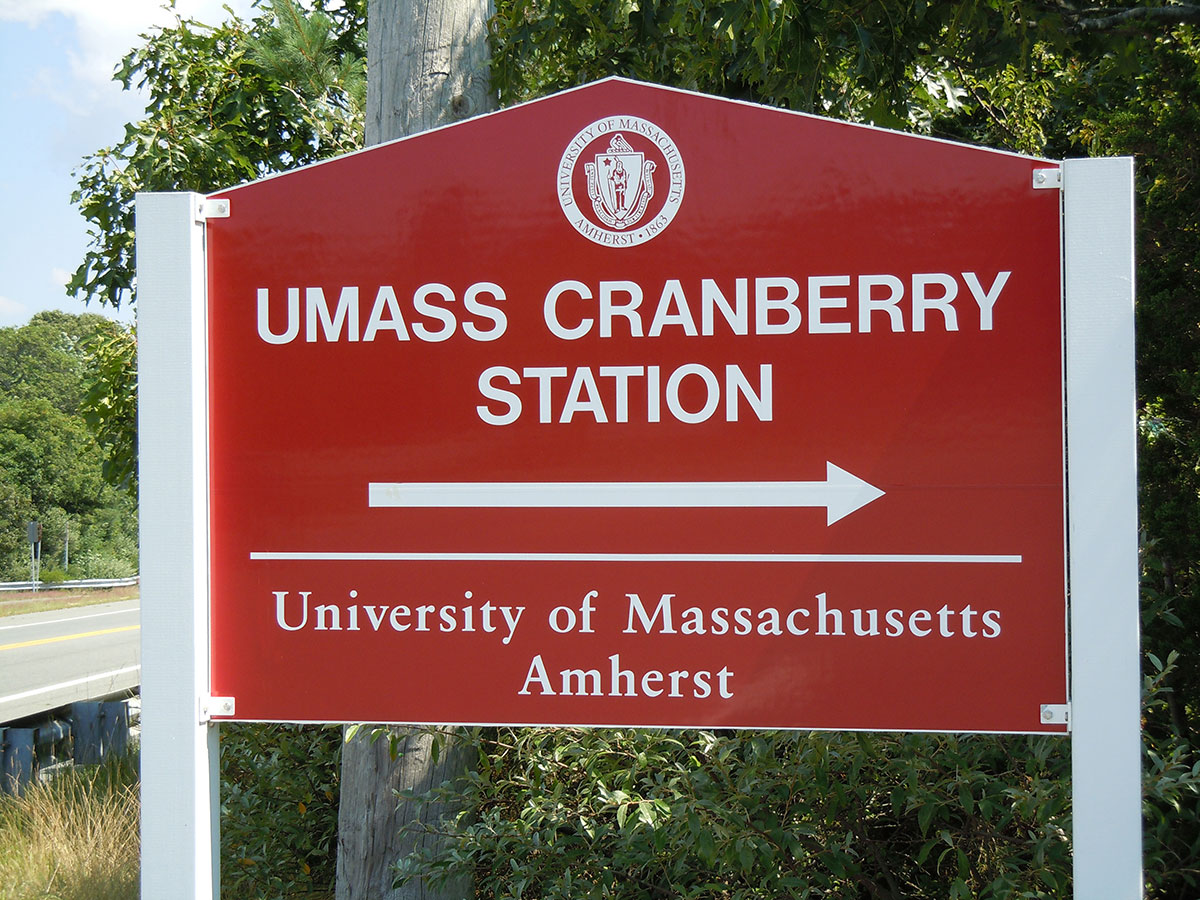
[59,277]
[11,311]
[106,31]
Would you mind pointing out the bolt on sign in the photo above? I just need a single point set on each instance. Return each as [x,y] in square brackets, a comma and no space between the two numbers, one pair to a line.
[631,406]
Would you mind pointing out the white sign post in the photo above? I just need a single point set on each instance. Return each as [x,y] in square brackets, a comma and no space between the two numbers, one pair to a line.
[180,846]
[1102,535]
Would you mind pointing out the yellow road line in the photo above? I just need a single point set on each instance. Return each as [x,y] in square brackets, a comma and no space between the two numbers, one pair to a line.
[67,637]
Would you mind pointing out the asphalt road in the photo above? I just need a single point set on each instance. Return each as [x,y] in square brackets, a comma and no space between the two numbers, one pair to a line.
[48,660]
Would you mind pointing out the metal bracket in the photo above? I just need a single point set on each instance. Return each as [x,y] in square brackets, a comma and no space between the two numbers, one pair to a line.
[1047,179]
[216,706]
[212,209]
[1056,714]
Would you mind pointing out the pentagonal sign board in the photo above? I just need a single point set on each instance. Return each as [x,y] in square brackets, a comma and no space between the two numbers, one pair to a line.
[632,406]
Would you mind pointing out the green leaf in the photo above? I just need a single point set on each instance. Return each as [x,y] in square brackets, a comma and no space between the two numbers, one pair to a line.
[925,816]
[706,847]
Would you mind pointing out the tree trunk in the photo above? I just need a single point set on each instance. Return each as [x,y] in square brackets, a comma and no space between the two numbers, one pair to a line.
[427,65]
[371,816]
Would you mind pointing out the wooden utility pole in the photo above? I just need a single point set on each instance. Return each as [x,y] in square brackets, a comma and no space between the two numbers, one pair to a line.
[427,66]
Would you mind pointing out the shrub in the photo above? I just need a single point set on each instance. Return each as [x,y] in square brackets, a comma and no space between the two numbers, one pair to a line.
[572,813]
[53,576]
[279,798]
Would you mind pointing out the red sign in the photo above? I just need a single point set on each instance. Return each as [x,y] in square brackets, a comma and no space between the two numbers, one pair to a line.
[631,406]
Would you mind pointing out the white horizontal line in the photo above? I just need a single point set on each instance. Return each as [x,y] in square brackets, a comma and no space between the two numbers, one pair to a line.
[98,677]
[117,612]
[945,558]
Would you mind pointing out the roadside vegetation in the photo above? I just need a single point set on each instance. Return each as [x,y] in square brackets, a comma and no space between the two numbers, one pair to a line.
[72,837]
[18,603]
[51,466]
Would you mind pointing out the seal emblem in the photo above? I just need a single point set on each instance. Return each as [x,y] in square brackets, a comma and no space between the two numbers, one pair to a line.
[620,184]
[620,181]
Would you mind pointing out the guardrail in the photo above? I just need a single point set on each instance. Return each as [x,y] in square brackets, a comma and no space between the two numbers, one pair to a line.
[82,583]
[90,733]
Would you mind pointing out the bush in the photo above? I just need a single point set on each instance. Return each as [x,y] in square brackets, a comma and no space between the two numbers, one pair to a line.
[99,564]
[1171,794]
[576,813]
[279,806]
[52,576]
[572,813]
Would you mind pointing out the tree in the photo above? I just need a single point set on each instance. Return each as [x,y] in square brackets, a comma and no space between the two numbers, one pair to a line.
[426,66]
[1143,16]
[110,405]
[46,358]
[50,466]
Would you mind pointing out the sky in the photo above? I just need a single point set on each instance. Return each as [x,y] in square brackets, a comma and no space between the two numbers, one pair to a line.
[58,103]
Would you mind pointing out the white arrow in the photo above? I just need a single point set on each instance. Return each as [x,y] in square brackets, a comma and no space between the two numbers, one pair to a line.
[840,493]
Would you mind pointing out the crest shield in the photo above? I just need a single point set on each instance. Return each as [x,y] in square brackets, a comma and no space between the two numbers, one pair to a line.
[620,183]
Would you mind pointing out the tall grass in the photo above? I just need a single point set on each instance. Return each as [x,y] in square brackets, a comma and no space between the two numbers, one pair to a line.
[74,837]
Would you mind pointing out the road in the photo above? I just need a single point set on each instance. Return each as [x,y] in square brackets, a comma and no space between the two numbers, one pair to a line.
[51,659]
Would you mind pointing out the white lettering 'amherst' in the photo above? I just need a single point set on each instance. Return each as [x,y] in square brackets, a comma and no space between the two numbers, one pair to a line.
[617,681]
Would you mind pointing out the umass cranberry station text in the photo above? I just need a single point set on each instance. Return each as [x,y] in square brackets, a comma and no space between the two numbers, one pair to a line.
[624,310]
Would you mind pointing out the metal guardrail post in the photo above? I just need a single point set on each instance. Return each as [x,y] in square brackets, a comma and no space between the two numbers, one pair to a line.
[114,729]
[86,726]
[48,737]
[17,769]
[101,730]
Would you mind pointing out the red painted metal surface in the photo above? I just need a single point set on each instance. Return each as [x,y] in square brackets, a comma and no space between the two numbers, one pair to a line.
[936,606]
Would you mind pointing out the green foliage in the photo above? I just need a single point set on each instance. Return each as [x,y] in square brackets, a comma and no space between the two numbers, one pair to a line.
[51,454]
[905,64]
[50,465]
[110,405]
[573,813]
[321,65]
[1148,106]
[278,810]
[42,358]
[1171,792]
[1160,123]
[51,576]
[837,58]
[16,509]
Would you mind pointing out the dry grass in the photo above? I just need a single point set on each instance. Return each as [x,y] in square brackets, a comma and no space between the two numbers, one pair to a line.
[72,838]
[15,603]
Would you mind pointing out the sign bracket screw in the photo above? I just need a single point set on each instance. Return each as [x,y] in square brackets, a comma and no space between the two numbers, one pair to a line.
[216,706]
